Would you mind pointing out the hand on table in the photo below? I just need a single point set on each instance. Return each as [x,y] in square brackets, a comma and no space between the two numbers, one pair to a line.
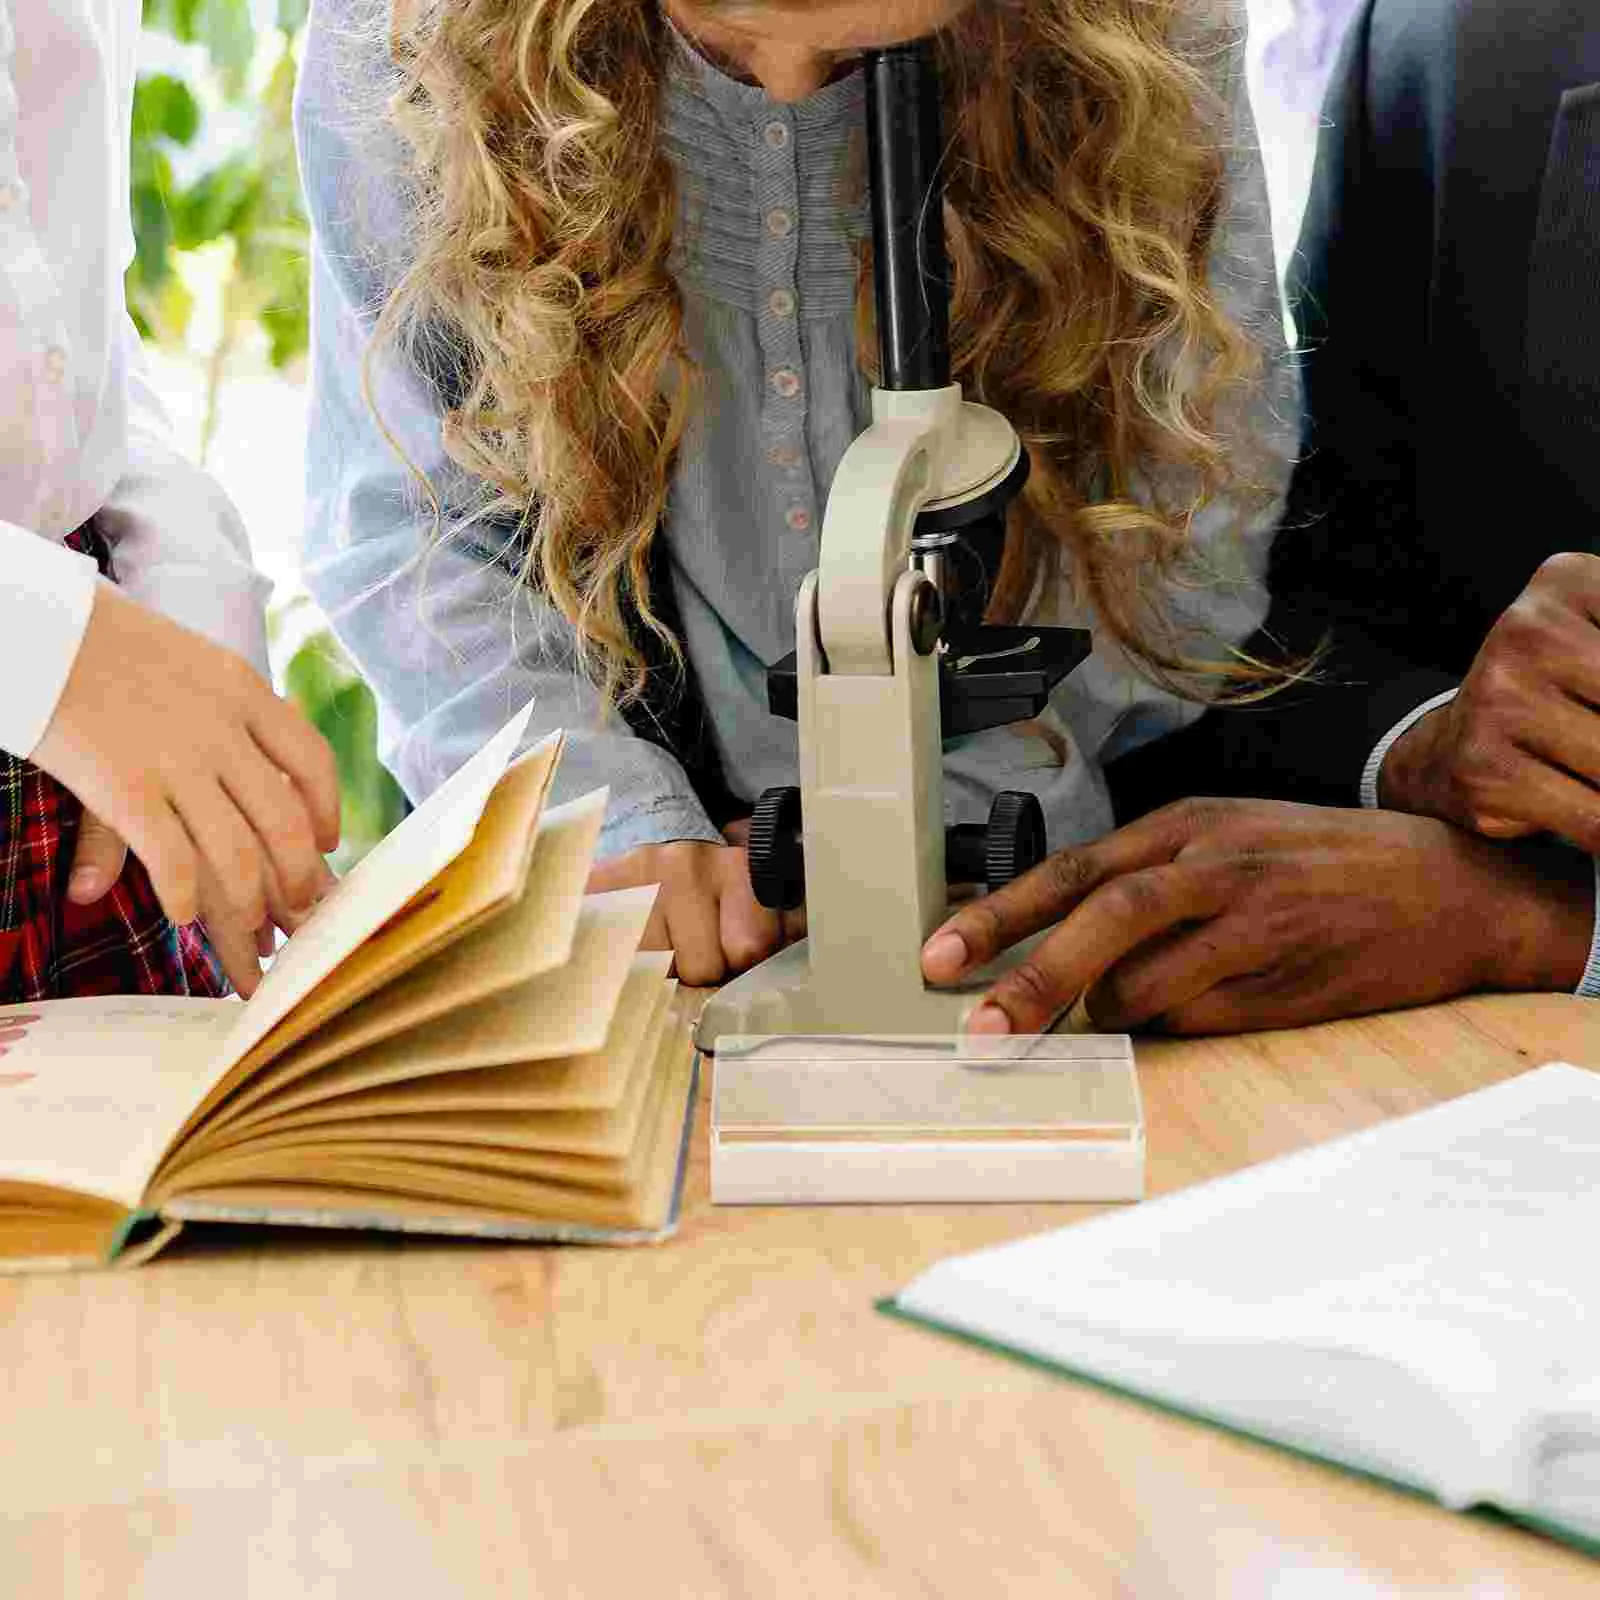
[225,792]
[1218,916]
[1517,751]
[706,911]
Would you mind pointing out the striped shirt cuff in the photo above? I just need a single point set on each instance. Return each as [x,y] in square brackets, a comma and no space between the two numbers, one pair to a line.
[1369,773]
[1589,984]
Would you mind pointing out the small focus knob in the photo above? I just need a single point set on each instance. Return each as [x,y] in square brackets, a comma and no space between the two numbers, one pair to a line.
[777,861]
[927,618]
[1015,844]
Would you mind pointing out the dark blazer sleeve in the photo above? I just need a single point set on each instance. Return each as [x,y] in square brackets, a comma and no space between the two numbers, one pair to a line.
[1349,569]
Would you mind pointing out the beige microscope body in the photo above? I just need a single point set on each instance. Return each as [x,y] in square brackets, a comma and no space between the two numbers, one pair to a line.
[871,773]
[842,1077]
[894,652]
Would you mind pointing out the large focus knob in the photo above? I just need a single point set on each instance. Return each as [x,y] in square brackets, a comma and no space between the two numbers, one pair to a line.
[777,860]
[1008,845]
[1016,837]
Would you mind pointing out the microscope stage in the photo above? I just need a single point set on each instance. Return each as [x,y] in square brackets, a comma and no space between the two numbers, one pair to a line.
[845,1119]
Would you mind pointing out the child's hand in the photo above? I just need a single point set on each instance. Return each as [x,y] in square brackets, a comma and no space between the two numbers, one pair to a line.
[97,863]
[225,792]
[705,912]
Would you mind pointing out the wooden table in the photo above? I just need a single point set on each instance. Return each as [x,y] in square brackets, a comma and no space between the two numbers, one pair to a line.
[725,1415]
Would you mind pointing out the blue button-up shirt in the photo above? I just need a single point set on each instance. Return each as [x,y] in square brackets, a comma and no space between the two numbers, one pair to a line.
[771,214]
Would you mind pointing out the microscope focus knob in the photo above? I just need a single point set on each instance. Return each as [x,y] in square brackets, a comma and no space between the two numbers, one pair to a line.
[992,853]
[777,861]
[927,618]
[1015,843]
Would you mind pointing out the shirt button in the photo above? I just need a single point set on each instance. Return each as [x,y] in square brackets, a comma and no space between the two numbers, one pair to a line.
[786,382]
[55,364]
[798,518]
[782,302]
[784,455]
[780,223]
[776,134]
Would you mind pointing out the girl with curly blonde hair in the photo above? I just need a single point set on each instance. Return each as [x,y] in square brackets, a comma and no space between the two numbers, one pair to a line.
[593,327]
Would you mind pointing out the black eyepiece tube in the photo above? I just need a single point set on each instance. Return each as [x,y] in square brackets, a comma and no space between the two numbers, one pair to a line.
[905,144]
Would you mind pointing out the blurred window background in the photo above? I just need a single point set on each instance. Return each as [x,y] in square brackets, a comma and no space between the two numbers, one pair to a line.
[219,289]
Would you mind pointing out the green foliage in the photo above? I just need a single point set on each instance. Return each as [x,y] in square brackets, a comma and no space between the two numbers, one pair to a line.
[322,682]
[224,27]
[234,142]
[166,109]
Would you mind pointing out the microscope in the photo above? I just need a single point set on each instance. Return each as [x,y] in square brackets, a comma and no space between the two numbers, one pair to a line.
[892,652]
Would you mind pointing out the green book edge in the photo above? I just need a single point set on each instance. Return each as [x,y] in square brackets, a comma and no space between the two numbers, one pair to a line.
[891,1307]
[131,1224]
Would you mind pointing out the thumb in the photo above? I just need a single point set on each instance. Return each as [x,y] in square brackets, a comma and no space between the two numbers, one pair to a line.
[97,862]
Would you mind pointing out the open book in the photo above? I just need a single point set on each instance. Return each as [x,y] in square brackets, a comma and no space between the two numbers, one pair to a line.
[458,1040]
[1419,1301]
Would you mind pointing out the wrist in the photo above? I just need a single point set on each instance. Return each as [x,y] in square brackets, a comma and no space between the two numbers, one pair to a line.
[1404,779]
[1544,920]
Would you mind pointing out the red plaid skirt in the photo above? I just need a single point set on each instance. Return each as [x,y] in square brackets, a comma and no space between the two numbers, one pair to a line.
[51,949]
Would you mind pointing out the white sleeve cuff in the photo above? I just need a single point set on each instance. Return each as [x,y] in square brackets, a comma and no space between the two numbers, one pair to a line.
[46,594]
[1589,984]
[1369,773]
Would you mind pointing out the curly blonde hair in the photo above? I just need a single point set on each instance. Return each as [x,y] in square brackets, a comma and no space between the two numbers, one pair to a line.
[1083,185]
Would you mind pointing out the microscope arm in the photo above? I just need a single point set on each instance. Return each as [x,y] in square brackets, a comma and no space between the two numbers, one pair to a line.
[888,474]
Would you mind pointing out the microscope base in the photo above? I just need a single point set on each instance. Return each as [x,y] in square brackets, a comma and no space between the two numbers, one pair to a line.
[779,997]
[782,997]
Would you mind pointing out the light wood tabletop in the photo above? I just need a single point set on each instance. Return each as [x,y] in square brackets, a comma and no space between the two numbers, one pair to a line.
[726,1414]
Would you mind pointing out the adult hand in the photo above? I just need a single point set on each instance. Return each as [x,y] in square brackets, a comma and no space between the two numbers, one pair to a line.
[225,792]
[1518,750]
[1218,916]
[706,911]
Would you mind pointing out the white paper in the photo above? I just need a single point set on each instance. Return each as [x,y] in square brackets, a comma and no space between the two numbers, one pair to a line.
[1439,1269]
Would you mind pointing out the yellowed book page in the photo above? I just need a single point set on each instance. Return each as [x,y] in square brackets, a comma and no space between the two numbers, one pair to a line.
[607,1154]
[594,1081]
[608,1134]
[55,1243]
[485,878]
[383,884]
[562,1013]
[380,887]
[660,1158]
[368,1193]
[51,1230]
[616,1159]
[533,937]
[94,1089]
[515,1196]
[303,1164]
